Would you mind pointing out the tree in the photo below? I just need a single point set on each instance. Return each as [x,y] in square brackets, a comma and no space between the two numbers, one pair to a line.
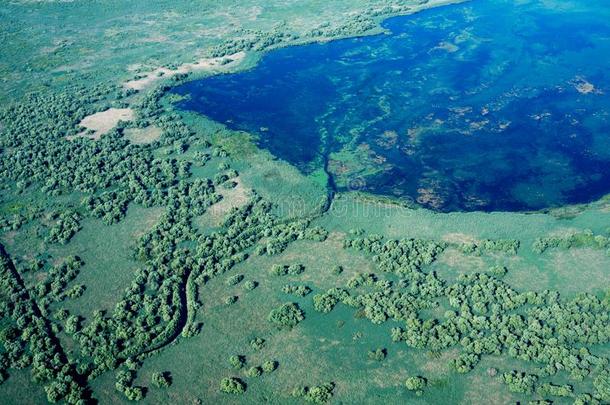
[134,393]
[288,315]
[232,385]
[320,394]
[269,366]
[257,343]
[250,285]
[254,372]
[237,361]
[161,379]
[416,384]
[378,354]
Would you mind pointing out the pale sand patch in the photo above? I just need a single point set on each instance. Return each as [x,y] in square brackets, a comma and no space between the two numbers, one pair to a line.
[576,268]
[143,136]
[437,366]
[153,215]
[234,197]
[201,65]
[457,237]
[583,86]
[102,122]
[458,262]
[563,232]
[486,390]
[447,47]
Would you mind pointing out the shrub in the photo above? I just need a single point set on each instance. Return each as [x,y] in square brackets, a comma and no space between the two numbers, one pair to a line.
[234,280]
[378,354]
[520,382]
[299,290]
[250,285]
[320,394]
[288,315]
[416,384]
[254,372]
[257,343]
[269,366]
[237,361]
[231,300]
[283,270]
[498,271]
[232,385]
[161,379]
[134,393]
[324,302]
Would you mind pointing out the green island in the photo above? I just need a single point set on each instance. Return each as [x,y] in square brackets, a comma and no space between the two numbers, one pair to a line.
[153,254]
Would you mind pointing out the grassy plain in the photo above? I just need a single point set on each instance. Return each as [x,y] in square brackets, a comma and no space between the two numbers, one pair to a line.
[48,45]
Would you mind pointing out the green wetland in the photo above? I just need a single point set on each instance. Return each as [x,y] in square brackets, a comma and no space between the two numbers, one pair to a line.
[191,213]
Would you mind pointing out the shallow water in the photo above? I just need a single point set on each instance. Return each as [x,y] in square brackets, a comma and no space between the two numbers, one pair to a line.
[487,105]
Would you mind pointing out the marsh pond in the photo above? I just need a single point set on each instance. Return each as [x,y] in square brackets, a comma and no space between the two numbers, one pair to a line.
[485,105]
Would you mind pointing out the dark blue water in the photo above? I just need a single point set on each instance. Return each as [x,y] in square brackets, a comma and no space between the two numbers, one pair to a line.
[488,105]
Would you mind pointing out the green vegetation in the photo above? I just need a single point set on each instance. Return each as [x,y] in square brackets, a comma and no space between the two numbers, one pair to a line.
[269,366]
[287,315]
[293,269]
[573,240]
[257,343]
[232,385]
[416,384]
[298,290]
[237,361]
[253,372]
[520,382]
[377,354]
[320,394]
[234,280]
[161,379]
[82,321]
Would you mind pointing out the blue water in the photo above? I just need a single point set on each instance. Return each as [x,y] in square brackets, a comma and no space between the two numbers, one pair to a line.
[487,105]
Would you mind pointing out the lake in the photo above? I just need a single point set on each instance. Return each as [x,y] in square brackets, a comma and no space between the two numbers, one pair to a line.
[485,105]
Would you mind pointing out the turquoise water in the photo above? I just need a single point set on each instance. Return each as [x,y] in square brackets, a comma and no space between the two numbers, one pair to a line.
[487,105]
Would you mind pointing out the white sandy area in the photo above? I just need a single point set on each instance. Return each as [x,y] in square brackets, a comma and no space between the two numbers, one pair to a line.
[102,122]
[201,65]
[583,86]
[231,198]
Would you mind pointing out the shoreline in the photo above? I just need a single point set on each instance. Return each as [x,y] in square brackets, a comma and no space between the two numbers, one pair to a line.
[210,66]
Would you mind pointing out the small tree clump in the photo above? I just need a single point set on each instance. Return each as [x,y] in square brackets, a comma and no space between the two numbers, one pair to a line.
[378,354]
[497,271]
[416,384]
[254,372]
[269,366]
[257,343]
[232,385]
[283,270]
[250,285]
[161,379]
[237,361]
[320,394]
[520,382]
[234,280]
[298,290]
[286,316]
